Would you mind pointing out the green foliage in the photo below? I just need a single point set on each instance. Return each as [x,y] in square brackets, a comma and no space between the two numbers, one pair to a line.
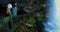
[32,7]
[43,5]
[40,17]
[31,21]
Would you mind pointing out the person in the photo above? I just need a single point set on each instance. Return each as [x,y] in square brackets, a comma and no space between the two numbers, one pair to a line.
[8,9]
[14,8]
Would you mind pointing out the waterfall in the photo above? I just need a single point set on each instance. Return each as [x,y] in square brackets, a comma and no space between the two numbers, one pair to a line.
[51,17]
[57,5]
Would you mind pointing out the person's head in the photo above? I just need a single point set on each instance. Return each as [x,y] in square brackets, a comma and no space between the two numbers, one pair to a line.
[14,3]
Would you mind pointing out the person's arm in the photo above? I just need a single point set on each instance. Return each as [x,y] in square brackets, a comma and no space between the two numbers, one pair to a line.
[8,10]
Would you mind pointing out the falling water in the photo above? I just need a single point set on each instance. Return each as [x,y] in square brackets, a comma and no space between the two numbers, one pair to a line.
[54,15]
[51,17]
[57,5]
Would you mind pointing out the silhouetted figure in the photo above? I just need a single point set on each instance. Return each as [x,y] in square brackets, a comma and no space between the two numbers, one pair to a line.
[14,8]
